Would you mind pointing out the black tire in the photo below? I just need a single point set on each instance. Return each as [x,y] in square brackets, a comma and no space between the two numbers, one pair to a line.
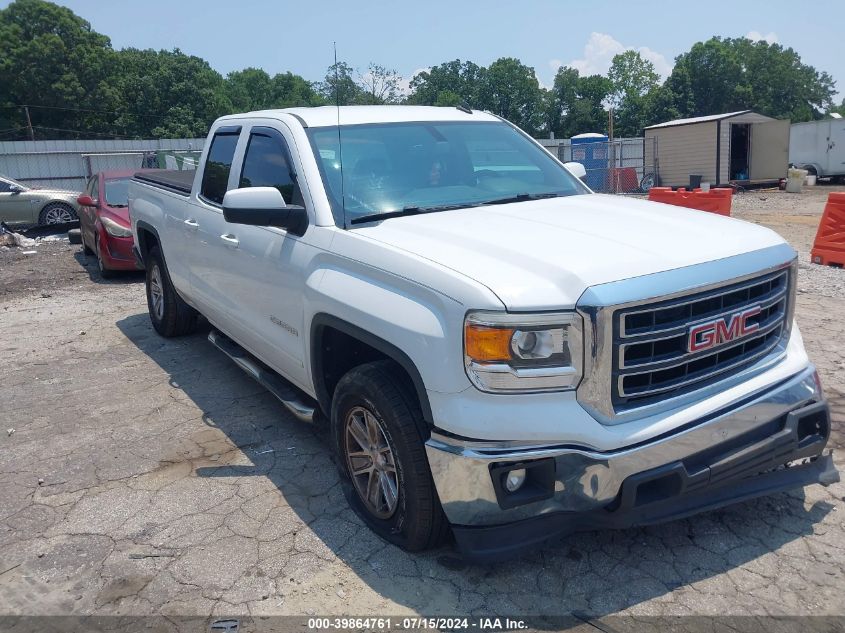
[174,317]
[74,236]
[105,273]
[417,522]
[54,211]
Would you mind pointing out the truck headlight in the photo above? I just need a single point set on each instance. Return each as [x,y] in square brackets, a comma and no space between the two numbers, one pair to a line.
[523,352]
[115,229]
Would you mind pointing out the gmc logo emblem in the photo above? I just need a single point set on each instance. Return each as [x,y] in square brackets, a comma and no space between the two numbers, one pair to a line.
[714,333]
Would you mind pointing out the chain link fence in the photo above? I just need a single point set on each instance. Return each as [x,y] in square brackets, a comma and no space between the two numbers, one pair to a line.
[622,166]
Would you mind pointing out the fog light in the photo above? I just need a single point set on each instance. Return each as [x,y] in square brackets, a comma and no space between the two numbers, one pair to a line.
[515,479]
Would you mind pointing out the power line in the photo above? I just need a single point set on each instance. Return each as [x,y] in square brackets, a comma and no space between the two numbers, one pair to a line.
[118,112]
[83,132]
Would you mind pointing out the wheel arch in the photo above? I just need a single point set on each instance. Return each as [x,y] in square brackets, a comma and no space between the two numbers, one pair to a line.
[322,327]
[147,237]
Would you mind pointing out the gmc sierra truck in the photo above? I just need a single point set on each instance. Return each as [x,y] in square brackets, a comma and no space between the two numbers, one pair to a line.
[499,352]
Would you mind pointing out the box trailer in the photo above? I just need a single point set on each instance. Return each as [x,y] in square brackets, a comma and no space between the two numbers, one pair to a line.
[819,147]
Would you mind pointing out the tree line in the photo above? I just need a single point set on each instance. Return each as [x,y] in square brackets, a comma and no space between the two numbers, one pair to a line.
[61,79]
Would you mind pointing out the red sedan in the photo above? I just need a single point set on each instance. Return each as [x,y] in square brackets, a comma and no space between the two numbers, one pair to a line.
[104,221]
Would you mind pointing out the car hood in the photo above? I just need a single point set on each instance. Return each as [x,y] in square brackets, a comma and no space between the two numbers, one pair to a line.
[543,254]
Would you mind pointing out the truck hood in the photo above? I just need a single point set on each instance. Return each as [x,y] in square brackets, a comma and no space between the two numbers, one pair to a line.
[543,254]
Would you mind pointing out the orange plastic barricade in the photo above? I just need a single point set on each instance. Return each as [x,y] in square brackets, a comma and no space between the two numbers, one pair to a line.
[713,201]
[829,247]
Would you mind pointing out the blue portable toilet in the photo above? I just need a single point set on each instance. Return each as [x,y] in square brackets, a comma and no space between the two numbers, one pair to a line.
[590,150]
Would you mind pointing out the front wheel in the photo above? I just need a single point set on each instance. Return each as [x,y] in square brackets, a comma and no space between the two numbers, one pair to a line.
[105,272]
[376,428]
[169,313]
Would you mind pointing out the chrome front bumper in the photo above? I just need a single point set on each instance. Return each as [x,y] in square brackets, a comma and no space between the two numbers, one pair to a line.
[725,446]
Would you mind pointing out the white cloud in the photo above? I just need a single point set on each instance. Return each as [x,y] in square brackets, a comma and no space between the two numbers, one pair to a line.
[755,36]
[599,51]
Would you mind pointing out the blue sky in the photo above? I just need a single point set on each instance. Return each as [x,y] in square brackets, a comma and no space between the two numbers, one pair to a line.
[280,35]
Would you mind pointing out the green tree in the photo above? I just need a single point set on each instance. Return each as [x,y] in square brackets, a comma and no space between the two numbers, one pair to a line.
[631,75]
[291,90]
[339,86]
[725,75]
[52,58]
[448,84]
[249,89]
[168,93]
[380,85]
[510,89]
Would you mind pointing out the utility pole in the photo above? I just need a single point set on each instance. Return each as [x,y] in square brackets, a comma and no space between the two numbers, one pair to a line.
[29,124]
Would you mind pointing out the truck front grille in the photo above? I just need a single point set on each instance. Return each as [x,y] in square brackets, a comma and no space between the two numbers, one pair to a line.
[652,357]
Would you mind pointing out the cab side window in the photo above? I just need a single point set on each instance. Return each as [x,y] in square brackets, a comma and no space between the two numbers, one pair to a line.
[215,176]
[5,187]
[267,164]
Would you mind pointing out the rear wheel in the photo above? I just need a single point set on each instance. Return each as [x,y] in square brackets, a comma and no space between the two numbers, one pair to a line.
[170,315]
[378,439]
[57,213]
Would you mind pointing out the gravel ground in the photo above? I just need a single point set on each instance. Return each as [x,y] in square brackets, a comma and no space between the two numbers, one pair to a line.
[150,476]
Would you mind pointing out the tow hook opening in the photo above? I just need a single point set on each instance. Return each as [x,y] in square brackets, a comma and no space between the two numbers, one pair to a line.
[812,428]
[519,483]
[812,424]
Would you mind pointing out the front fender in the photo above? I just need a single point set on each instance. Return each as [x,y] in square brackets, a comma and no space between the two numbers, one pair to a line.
[416,326]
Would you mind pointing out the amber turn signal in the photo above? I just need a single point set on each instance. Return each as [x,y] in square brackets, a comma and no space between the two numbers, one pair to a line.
[487,344]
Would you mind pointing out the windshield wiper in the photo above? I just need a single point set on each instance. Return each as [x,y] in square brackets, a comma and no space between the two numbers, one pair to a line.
[521,197]
[373,217]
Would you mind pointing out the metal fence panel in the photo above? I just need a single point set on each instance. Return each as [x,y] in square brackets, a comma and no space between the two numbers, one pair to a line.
[67,164]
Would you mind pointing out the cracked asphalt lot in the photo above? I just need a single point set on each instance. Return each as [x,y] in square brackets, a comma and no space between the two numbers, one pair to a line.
[150,476]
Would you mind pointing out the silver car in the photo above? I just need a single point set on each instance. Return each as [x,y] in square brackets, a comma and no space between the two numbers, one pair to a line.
[20,204]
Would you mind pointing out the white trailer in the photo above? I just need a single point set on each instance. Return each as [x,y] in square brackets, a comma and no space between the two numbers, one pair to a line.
[819,147]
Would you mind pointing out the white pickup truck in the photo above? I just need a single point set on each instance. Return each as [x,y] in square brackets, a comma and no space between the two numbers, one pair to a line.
[499,351]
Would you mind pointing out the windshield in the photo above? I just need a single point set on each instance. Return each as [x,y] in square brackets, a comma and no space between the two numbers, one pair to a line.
[399,168]
[117,192]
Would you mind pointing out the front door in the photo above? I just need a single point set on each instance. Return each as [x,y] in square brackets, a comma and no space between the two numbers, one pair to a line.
[263,279]
[17,207]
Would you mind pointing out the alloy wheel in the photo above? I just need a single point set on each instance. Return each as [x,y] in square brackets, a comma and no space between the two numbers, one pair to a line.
[371,462]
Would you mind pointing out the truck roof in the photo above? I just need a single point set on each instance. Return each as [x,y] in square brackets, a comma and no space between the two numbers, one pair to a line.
[327,116]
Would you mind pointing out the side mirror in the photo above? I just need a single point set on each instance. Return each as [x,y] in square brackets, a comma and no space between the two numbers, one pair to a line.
[86,201]
[15,189]
[576,169]
[264,206]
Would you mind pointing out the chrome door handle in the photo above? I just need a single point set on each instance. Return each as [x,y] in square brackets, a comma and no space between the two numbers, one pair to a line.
[230,240]
[191,223]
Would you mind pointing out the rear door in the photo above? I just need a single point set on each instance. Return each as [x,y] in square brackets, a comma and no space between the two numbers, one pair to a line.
[836,148]
[769,150]
[87,215]
[203,228]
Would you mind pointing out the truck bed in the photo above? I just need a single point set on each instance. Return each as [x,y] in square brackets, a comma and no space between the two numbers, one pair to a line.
[175,180]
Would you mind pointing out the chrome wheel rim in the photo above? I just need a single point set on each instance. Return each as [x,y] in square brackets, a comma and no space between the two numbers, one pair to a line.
[156,293]
[371,462]
[57,215]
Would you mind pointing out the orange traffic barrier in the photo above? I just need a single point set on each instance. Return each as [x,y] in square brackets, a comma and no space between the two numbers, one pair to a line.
[713,201]
[829,247]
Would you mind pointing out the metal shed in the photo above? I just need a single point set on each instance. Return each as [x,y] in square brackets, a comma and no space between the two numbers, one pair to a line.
[741,147]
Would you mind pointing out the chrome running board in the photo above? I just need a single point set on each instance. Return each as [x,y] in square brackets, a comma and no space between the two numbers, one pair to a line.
[269,379]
